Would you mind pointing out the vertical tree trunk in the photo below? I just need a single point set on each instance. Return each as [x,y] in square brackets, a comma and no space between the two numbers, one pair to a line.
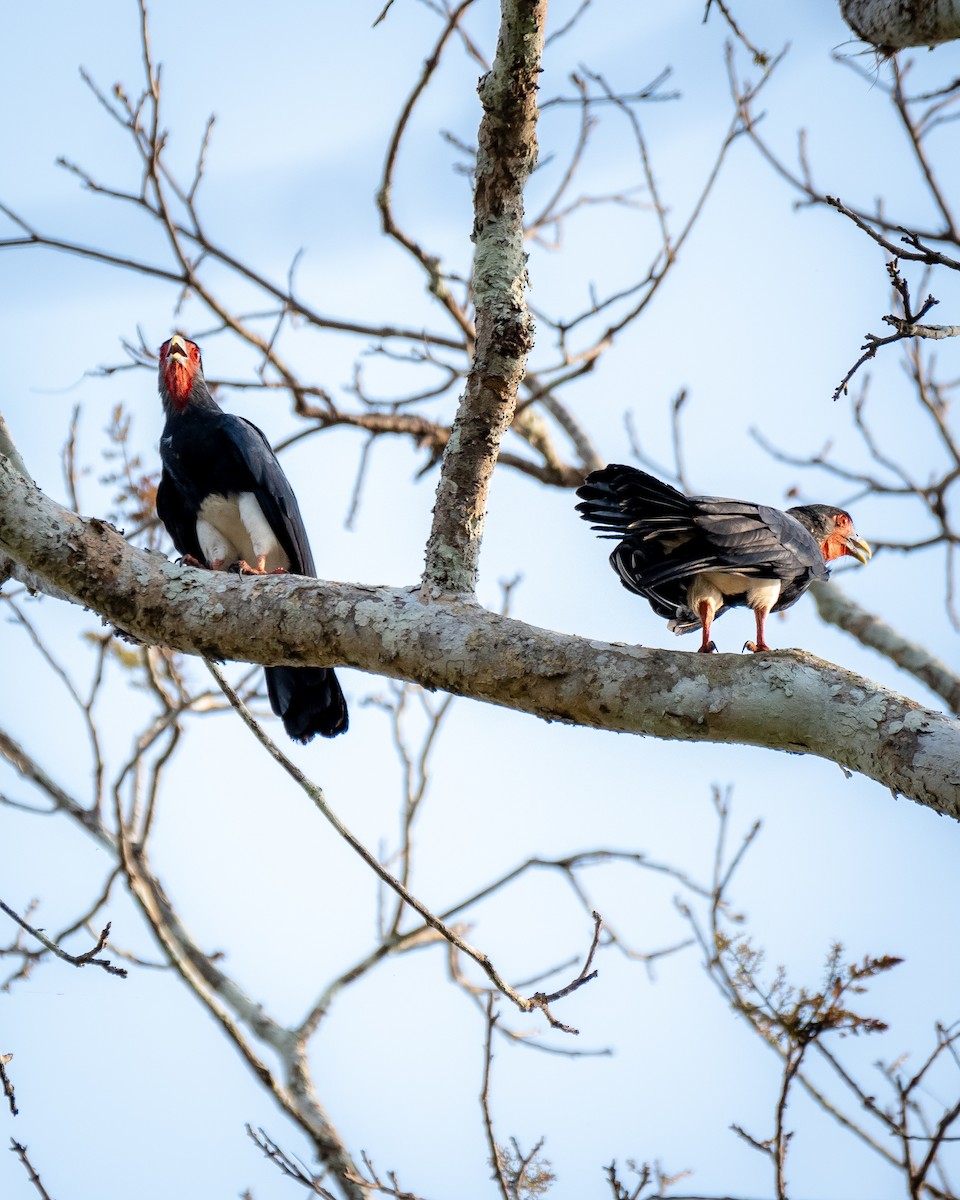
[506,154]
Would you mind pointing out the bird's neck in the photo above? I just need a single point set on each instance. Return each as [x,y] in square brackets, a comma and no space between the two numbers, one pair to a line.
[181,394]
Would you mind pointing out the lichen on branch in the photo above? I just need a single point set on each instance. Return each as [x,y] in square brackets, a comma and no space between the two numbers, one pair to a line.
[506,154]
[788,701]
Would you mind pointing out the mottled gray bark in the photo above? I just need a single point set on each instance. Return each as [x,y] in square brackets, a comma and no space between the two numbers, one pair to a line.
[786,701]
[9,450]
[836,607]
[506,154]
[896,24]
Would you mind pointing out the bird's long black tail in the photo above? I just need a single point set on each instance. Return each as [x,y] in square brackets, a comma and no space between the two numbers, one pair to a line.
[308,700]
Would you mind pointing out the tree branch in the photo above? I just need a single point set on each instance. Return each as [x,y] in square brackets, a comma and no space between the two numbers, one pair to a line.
[787,701]
[231,1007]
[835,606]
[78,960]
[21,1153]
[506,154]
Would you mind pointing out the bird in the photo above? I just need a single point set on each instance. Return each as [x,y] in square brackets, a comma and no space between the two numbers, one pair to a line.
[227,505]
[693,557]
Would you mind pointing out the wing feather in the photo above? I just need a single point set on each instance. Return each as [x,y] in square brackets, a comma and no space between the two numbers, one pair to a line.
[210,452]
[667,538]
[273,491]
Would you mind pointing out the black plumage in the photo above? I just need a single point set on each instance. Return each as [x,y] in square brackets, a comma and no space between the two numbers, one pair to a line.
[226,503]
[693,557]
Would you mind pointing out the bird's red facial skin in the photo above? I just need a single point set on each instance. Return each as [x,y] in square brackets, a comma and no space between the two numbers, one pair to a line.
[835,545]
[179,370]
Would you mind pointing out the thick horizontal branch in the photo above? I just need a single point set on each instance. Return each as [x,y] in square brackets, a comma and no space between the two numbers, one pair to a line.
[836,607]
[786,701]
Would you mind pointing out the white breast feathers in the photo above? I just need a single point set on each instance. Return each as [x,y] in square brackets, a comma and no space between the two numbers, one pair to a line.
[233,527]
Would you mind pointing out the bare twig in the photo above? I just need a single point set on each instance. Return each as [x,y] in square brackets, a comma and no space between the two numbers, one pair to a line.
[7,1083]
[21,1153]
[905,326]
[496,1157]
[760,57]
[77,960]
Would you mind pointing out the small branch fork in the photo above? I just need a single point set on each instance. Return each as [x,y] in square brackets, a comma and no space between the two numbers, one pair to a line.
[799,1022]
[760,57]
[906,326]
[369,1183]
[76,960]
[542,999]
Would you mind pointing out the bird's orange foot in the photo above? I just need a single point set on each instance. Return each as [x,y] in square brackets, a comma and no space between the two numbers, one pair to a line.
[708,648]
[756,647]
[189,561]
[242,567]
[279,571]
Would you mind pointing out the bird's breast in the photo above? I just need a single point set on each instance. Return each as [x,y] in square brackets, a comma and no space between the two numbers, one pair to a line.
[233,526]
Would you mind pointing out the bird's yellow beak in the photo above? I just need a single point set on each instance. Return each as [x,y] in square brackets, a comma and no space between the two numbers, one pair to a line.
[178,347]
[858,548]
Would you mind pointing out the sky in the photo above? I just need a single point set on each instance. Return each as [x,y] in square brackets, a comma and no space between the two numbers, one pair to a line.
[125,1086]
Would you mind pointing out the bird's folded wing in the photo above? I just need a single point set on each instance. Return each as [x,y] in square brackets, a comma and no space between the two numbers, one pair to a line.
[272,490]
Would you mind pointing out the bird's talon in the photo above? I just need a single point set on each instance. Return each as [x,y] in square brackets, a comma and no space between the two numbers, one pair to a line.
[242,567]
[708,648]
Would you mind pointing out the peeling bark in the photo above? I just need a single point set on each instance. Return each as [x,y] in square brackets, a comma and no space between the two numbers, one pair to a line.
[891,25]
[788,701]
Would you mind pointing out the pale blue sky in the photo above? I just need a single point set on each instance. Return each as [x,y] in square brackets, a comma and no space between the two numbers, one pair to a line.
[125,1087]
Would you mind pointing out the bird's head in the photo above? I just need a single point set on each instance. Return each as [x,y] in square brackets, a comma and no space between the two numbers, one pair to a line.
[834,531]
[180,370]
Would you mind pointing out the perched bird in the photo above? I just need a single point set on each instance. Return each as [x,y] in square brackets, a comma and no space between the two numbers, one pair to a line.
[693,557]
[226,502]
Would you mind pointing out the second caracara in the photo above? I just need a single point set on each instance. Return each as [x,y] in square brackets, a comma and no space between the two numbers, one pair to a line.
[226,503]
[693,557]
